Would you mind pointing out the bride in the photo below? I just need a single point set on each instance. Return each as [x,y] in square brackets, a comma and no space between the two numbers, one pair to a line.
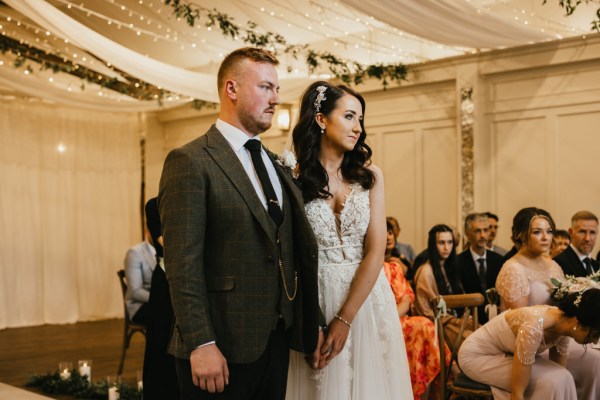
[363,354]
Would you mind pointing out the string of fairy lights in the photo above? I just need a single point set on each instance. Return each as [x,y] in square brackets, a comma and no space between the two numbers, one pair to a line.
[152,19]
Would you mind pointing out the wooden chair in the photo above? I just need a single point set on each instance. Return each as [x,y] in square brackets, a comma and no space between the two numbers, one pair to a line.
[130,328]
[460,386]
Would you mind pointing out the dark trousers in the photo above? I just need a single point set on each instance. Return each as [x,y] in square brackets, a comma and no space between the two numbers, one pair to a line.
[263,379]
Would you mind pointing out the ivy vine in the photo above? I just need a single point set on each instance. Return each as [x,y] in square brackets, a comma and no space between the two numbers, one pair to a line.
[571,5]
[78,386]
[347,71]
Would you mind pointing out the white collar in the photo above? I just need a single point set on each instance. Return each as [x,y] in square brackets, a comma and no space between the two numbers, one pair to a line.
[477,256]
[580,255]
[235,136]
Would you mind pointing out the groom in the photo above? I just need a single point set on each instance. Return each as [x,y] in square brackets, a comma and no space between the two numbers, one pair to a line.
[240,255]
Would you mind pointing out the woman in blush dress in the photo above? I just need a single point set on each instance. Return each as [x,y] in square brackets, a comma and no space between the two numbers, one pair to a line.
[363,355]
[419,332]
[439,275]
[525,280]
[504,352]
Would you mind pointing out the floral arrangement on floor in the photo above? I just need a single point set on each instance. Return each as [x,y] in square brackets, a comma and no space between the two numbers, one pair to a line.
[78,386]
[573,284]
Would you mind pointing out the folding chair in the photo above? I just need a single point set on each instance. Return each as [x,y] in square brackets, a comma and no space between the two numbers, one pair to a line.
[130,328]
[459,386]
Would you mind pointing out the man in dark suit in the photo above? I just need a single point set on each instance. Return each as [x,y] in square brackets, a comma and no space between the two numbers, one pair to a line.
[240,255]
[479,267]
[576,259]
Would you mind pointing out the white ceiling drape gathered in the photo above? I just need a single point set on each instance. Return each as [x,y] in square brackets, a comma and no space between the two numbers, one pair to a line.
[42,90]
[451,22]
[178,80]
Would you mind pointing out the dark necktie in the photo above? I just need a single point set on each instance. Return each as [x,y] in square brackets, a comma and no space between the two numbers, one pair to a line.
[254,147]
[588,265]
[482,280]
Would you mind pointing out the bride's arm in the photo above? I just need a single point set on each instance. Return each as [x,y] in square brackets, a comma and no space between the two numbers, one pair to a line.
[367,272]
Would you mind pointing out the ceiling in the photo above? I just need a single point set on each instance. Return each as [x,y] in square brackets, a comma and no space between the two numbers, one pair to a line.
[366,31]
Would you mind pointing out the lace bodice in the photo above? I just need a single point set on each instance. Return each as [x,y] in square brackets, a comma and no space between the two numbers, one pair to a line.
[515,280]
[529,323]
[341,240]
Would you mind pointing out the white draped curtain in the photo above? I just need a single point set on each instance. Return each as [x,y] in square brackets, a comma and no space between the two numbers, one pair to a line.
[67,218]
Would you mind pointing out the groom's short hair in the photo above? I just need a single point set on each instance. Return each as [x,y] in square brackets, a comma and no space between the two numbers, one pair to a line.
[230,65]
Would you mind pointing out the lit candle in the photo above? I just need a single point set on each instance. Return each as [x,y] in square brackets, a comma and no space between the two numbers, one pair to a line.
[85,369]
[140,386]
[113,393]
[65,374]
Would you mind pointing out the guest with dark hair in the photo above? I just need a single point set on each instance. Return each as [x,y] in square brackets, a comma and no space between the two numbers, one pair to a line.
[560,242]
[440,274]
[406,251]
[159,373]
[527,279]
[503,353]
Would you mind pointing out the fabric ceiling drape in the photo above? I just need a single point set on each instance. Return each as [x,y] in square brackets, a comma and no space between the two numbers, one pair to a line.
[179,80]
[451,22]
[67,217]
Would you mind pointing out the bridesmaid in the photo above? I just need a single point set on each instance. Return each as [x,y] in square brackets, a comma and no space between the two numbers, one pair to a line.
[503,353]
[525,280]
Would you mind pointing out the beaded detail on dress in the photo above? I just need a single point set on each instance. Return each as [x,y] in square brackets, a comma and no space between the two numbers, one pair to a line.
[341,241]
[529,322]
[514,280]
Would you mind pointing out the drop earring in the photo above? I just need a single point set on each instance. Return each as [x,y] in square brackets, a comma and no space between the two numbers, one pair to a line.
[322,130]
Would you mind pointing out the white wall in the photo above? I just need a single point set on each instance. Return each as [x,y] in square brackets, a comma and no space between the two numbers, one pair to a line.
[536,139]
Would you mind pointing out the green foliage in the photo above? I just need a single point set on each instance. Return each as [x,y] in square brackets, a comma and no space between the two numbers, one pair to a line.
[129,86]
[78,386]
[349,72]
[571,5]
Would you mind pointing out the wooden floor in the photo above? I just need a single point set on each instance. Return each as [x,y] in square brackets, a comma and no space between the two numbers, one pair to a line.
[25,351]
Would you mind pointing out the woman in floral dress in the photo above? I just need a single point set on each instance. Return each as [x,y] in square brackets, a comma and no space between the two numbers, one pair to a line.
[419,332]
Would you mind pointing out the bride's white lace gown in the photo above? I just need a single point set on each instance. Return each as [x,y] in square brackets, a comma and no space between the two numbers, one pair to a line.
[373,363]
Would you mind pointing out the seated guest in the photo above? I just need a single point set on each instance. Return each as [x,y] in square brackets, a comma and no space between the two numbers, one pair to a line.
[560,242]
[419,332]
[439,275]
[504,352]
[406,251]
[160,376]
[479,267]
[576,259]
[140,261]
[391,251]
[526,280]
[421,258]
[493,220]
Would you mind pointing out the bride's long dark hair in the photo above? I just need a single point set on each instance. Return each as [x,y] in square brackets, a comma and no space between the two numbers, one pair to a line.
[313,178]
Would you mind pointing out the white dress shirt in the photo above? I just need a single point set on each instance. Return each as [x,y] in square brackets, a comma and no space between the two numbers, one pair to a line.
[237,139]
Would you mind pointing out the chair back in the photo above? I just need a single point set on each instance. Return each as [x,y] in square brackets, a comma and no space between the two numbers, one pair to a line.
[469,302]
[129,327]
[123,281]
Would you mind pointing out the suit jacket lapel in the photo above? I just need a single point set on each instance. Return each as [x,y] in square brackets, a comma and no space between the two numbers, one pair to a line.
[221,152]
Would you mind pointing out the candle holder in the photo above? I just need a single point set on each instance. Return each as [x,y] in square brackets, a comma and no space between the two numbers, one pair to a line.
[113,383]
[140,380]
[85,369]
[64,370]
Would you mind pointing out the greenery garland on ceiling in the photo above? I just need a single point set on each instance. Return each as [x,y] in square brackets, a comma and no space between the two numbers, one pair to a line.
[571,5]
[129,85]
[347,71]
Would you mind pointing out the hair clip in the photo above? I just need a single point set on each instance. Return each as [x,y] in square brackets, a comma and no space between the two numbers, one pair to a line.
[320,97]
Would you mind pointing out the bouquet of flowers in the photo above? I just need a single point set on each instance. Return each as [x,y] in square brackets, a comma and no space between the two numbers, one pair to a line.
[573,284]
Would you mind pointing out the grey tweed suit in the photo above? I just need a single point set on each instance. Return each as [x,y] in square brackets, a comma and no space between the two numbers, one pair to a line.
[221,255]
